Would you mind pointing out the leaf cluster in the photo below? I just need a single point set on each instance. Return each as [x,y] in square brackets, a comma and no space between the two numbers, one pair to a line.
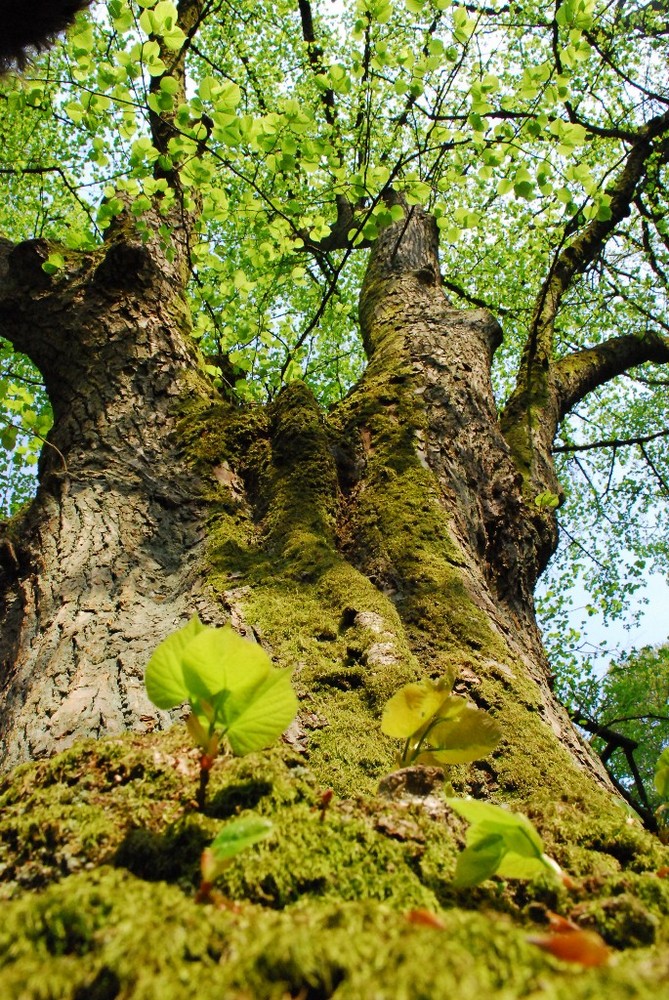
[232,689]
[437,726]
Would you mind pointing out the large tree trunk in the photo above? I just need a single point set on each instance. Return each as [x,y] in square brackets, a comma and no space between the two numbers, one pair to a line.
[108,558]
[392,539]
[399,520]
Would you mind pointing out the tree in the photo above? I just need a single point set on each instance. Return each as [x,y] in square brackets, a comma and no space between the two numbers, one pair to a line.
[257,167]
[626,714]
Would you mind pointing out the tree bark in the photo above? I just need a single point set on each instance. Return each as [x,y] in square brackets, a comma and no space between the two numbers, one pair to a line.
[397,525]
[108,558]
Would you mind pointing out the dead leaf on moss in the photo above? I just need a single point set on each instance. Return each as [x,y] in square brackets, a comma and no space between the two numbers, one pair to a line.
[585,947]
[568,942]
[425,918]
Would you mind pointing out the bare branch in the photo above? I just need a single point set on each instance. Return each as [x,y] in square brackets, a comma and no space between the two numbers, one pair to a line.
[610,443]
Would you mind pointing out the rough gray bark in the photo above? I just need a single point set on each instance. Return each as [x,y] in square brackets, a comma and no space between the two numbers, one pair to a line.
[409,485]
[108,558]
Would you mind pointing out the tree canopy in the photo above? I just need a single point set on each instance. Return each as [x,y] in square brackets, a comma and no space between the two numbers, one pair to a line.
[538,138]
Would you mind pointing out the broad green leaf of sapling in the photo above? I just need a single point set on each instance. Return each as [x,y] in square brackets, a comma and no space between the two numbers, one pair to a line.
[237,698]
[437,726]
[235,837]
[499,842]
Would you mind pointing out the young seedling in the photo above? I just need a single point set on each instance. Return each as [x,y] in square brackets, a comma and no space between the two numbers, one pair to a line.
[237,698]
[437,726]
[236,836]
[499,842]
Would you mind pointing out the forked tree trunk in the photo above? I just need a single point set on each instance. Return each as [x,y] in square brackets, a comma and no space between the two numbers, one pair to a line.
[387,541]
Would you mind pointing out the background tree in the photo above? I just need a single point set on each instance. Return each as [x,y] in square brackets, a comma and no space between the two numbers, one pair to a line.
[626,714]
[237,176]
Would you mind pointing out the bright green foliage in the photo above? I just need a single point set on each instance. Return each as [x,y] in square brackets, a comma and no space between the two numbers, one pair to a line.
[235,836]
[661,779]
[631,699]
[499,842]
[438,727]
[229,683]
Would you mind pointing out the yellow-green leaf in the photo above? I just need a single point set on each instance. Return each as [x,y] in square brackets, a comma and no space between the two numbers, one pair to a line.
[413,706]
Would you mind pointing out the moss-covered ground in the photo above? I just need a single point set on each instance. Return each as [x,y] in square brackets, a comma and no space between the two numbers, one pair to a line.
[99,870]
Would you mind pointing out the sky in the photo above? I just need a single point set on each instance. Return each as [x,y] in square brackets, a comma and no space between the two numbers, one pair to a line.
[651,629]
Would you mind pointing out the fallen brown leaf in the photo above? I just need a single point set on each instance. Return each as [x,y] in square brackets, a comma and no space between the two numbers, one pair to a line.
[585,947]
[425,918]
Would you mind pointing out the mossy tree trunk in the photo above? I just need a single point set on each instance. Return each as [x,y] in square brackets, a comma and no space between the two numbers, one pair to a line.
[392,539]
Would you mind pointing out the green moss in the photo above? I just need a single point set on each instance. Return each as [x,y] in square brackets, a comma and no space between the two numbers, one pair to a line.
[623,921]
[320,906]
[108,934]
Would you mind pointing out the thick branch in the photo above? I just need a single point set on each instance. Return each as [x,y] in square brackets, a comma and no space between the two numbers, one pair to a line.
[587,246]
[545,392]
[580,373]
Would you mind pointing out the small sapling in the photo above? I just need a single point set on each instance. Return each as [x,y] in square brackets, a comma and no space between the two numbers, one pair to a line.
[499,842]
[236,836]
[238,700]
[438,727]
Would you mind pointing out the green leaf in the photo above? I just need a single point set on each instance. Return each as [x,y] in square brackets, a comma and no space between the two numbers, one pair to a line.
[471,735]
[218,659]
[495,819]
[239,834]
[477,863]
[164,679]
[496,833]
[515,865]
[54,262]
[547,500]
[413,706]
[524,189]
[256,718]
[661,779]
